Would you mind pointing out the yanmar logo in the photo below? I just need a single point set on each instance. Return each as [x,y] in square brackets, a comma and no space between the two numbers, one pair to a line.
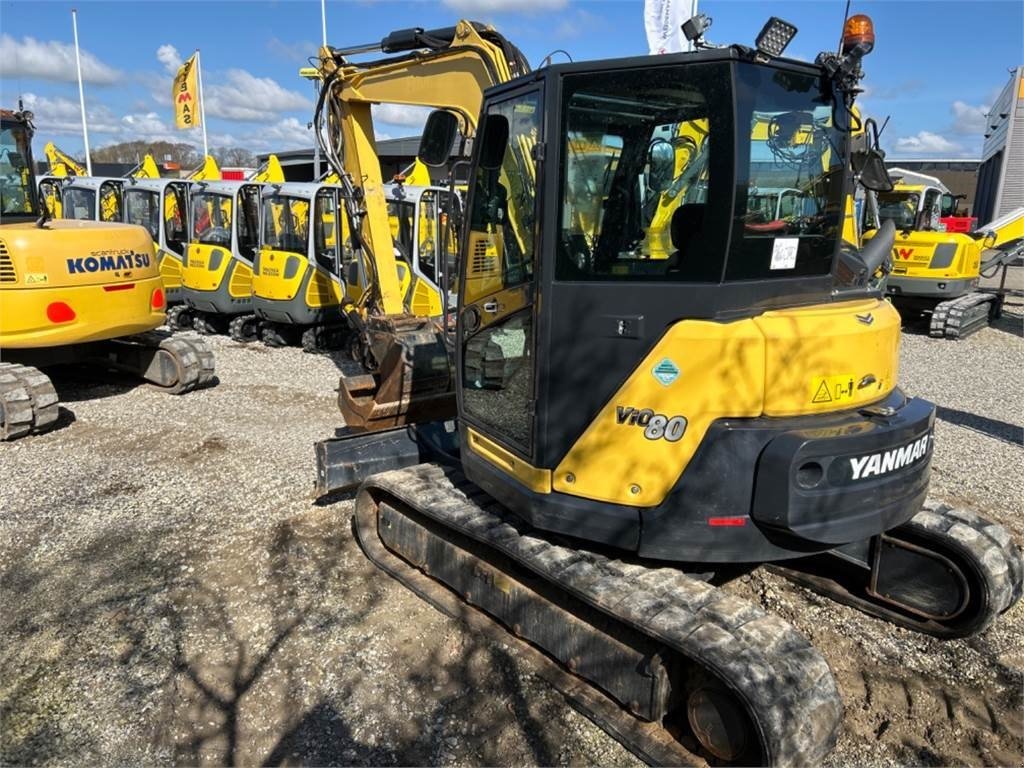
[107,263]
[875,464]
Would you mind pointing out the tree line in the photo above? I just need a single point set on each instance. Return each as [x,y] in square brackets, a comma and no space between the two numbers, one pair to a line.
[186,155]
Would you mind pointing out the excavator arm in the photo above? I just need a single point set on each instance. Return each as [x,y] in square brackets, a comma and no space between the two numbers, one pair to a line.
[445,69]
[61,163]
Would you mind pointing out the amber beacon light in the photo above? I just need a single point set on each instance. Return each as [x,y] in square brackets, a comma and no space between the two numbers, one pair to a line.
[858,30]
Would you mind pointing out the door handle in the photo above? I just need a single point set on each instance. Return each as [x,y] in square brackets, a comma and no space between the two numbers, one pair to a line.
[490,307]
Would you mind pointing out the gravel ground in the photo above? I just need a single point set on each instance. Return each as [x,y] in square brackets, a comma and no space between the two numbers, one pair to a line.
[172,592]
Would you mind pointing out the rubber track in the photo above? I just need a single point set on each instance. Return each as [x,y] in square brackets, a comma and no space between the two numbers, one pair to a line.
[207,362]
[989,542]
[959,318]
[237,328]
[42,400]
[174,318]
[181,349]
[781,676]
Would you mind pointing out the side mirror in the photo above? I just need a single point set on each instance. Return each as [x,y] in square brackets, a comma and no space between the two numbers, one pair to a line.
[661,165]
[495,138]
[870,166]
[438,136]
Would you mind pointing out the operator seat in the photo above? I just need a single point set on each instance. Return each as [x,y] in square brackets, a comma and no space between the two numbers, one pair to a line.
[687,231]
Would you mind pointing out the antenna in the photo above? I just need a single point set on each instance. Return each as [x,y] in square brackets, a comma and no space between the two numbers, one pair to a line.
[842,28]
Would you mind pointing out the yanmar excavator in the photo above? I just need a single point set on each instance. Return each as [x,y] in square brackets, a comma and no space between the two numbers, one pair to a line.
[81,292]
[631,427]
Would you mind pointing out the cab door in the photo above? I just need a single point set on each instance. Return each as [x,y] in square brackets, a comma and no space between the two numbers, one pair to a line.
[496,324]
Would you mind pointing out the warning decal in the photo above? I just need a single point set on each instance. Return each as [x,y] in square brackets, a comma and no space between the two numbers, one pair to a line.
[832,389]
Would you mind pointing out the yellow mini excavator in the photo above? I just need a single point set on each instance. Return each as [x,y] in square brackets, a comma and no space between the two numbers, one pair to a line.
[630,427]
[217,270]
[162,206]
[75,292]
[936,273]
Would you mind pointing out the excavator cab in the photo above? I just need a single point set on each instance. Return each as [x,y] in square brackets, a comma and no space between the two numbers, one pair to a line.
[299,275]
[161,206]
[94,198]
[217,269]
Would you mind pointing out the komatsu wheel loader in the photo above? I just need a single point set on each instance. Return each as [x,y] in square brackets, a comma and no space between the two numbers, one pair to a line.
[629,429]
[75,292]
[936,273]
[218,265]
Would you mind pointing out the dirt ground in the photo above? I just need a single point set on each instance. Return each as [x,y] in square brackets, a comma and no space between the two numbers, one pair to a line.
[172,592]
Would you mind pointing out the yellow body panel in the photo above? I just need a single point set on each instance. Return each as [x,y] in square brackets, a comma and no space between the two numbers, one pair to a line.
[537,480]
[270,282]
[912,254]
[762,366]
[170,269]
[74,262]
[322,290]
[240,284]
[197,275]
[804,345]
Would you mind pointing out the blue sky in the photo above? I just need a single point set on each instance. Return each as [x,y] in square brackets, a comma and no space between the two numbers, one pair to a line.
[936,67]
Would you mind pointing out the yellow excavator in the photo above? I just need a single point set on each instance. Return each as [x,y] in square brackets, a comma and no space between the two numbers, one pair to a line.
[161,206]
[216,273]
[628,431]
[936,273]
[303,268]
[75,292]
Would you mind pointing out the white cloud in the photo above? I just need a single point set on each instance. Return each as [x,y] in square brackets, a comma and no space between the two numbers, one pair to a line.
[969,120]
[927,143]
[300,52]
[64,117]
[289,133]
[33,59]
[245,97]
[401,115]
[483,7]
[168,56]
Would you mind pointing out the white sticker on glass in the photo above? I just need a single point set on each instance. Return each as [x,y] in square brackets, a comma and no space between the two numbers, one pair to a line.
[784,252]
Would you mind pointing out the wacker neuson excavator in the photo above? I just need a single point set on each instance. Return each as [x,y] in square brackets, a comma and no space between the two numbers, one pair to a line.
[633,422]
[82,292]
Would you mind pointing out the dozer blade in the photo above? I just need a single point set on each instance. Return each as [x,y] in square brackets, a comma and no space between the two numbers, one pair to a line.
[413,383]
[674,668]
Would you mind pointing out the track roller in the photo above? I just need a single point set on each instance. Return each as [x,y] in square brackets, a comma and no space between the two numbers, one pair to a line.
[322,338]
[180,317]
[28,401]
[947,572]
[209,324]
[674,668]
[275,335]
[244,328]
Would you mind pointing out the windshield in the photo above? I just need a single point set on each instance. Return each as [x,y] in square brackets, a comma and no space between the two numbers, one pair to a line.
[286,224]
[898,207]
[211,218]
[16,193]
[78,203]
[792,171]
[142,207]
[636,163]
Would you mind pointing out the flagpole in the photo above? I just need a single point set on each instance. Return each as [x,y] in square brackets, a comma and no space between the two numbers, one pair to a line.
[202,108]
[81,93]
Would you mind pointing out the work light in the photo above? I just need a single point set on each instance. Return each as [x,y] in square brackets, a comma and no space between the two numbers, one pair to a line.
[774,36]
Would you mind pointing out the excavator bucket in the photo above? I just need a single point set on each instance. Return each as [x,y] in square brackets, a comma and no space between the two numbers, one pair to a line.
[413,381]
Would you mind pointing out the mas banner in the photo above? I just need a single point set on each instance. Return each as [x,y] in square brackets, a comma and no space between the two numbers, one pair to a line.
[186,95]
[663,21]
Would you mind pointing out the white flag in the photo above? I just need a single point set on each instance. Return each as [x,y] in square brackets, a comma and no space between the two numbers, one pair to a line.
[663,20]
